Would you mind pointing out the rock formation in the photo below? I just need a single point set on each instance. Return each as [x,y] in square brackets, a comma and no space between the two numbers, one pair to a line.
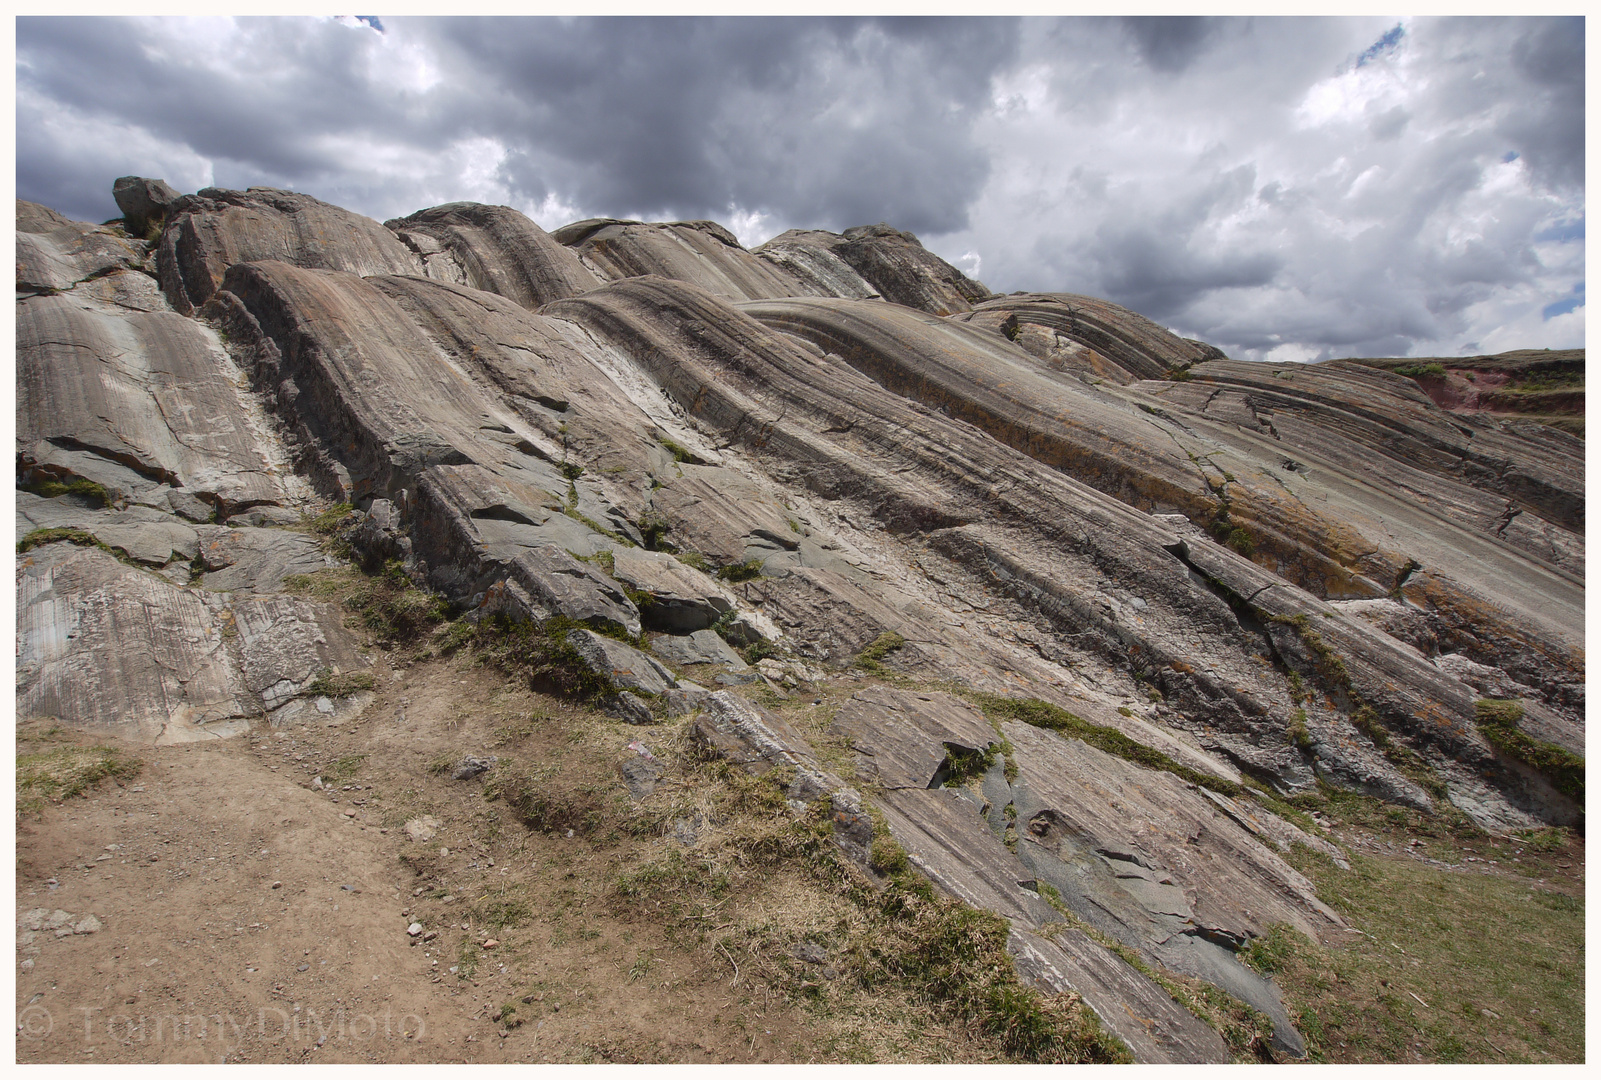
[1267,577]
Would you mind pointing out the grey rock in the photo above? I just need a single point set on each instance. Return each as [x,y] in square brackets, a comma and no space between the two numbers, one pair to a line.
[249,560]
[701,252]
[496,249]
[210,231]
[143,202]
[872,260]
[422,829]
[681,598]
[188,507]
[701,647]
[55,254]
[108,648]
[470,768]
[685,702]
[624,665]
[263,516]
[140,402]
[903,737]
[640,775]
[1156,1028]
[284,643]
[627,708]
[809,952]
[470,469]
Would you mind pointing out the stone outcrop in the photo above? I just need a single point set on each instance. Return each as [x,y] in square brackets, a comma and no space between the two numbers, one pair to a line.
[1093,338]
[144,203]
[837,449]
[495,249]
[699,251]
[893,264]
[208,232]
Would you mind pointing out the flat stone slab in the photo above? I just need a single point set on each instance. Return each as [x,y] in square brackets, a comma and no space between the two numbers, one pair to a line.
[680,597]
[1156,1029]
[624,665]
[948,841]
[104,646]
[902,737]
[247,560]
[701,647]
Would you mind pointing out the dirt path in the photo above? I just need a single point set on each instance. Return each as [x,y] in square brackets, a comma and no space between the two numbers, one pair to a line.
[246,916]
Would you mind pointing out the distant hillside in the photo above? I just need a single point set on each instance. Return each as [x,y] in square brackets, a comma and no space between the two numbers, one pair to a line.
[1532,384]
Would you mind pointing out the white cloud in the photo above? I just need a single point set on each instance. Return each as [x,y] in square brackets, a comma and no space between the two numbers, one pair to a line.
[1287,187]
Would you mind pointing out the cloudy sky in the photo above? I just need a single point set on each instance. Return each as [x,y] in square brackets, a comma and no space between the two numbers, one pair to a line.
[1284,188]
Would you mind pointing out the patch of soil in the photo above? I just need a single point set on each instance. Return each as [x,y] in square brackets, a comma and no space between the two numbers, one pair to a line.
[246,915]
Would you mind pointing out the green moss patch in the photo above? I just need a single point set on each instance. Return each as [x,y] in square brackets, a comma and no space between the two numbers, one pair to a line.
[1042,714]
[1498,720]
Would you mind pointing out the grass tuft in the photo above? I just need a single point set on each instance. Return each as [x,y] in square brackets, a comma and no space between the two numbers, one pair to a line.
[871,659]
[1042,714]
[1498,720]
[343,684]
[83,489]
[67,772]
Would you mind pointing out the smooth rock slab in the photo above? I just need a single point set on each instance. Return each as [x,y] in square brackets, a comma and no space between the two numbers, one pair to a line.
[624,665]
[257,560]
[1156,1029]
[143,534]
[681,598]
[701,647]
[103,646]
[903,737]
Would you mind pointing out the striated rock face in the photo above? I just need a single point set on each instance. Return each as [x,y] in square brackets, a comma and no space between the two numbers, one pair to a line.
[1271,576]
[699,251]
[496,249]
[209,232]
[1090,337]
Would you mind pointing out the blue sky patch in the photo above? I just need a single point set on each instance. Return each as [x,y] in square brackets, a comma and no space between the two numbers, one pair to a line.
[1565,305]
[1385,44]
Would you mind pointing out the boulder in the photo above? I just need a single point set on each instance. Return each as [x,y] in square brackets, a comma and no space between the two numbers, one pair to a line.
[627,708]
[701,647]
[143,202]
[676,597]
[623,665]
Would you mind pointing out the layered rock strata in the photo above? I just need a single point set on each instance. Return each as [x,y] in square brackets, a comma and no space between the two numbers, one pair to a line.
[1271,576]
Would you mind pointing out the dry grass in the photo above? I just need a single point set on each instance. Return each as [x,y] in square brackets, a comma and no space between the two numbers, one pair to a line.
[1470,962]
[66,772]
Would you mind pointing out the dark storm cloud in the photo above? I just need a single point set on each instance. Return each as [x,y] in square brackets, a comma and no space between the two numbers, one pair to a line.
[1293,187]
[1170,42]
[1548,128]
[830,121]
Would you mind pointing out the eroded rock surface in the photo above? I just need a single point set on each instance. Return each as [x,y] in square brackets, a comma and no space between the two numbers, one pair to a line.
[496,249]
[841,450]
[217,228]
